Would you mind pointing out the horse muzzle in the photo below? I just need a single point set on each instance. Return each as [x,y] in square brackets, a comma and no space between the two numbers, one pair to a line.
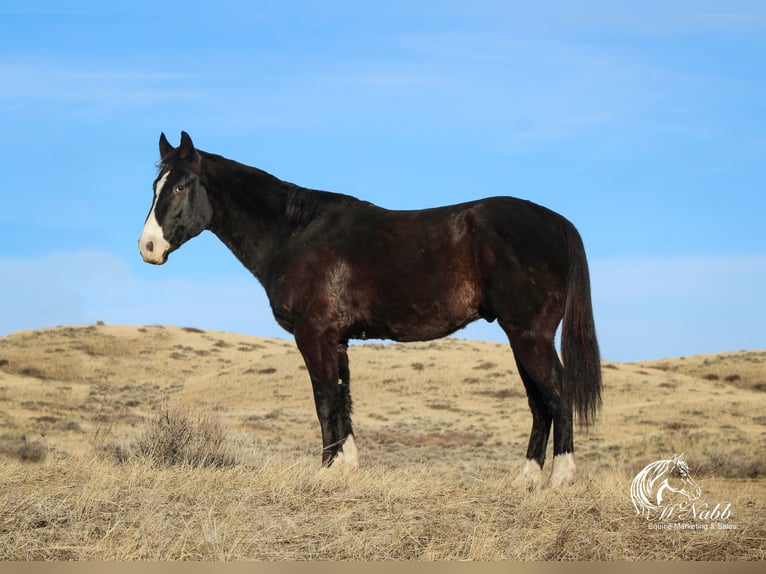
[153,250]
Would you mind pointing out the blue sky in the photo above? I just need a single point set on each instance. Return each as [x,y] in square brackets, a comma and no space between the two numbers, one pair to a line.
[644,123]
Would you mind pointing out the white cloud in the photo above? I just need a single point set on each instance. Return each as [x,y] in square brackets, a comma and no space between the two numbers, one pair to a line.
[48,84]
[87,286]
[667,307]
[645,308]
[649,308]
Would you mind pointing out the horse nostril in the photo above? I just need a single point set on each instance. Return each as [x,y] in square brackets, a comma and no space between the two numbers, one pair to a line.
[149,245]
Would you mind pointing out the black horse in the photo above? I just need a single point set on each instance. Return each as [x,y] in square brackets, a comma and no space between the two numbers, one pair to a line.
[336,268]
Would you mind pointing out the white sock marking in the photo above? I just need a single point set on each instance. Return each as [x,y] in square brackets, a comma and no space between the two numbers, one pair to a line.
[564,469]
[531,474]
[349,453]
[347,457]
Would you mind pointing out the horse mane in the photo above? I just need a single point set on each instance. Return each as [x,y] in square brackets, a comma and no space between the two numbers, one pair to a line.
[301,204]
[304,205]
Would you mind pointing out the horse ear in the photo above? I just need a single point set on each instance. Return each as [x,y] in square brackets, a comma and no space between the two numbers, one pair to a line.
[189,153]
[187,147]
[165,147]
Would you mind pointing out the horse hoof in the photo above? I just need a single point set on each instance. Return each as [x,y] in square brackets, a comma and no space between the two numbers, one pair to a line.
[531,476]
[346,459]
[564,470]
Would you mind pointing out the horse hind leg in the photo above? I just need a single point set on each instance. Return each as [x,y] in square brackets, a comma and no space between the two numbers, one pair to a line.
[531,475]
[542,373]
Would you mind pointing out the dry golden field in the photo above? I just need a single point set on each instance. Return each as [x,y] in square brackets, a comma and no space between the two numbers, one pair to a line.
[164,443]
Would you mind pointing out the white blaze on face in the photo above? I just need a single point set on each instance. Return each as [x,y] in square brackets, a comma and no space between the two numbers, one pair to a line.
[152,244]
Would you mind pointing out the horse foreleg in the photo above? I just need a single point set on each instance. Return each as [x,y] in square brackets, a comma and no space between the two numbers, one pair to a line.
[347,455]
[327,363]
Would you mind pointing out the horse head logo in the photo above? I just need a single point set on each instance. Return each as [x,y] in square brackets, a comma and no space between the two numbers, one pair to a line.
[661,484]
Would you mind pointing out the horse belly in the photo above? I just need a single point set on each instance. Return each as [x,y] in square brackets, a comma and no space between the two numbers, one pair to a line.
[427,318]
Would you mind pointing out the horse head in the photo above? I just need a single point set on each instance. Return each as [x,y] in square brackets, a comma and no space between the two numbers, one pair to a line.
[181,208]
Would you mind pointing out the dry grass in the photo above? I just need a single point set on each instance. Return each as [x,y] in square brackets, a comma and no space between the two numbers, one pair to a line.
[275,507]
[157,443]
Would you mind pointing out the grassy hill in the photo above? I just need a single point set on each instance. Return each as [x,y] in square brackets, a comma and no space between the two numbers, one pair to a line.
[165,443]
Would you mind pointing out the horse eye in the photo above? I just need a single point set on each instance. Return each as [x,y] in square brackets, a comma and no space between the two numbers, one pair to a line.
[180,188]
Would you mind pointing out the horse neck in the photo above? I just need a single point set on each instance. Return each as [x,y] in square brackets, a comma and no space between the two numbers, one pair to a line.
[250,210]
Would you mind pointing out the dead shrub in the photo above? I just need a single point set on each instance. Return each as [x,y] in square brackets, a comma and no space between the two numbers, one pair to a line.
[24,450]
[176,436]
[737,463]
[485,366]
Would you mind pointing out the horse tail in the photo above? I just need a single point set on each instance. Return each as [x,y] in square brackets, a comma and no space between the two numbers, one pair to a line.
[579,347]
